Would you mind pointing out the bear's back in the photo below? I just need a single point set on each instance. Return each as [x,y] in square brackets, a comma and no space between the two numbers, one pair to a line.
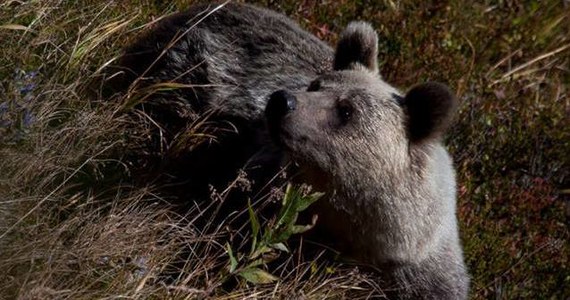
[234,56]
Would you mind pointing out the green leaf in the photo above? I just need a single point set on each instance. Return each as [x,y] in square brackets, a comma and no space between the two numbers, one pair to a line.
[259,251]
[287,196]
[257,276]
[301,228]
[253,219]
[233,260]
[293,203]
[280,246]
[281,236]
[255,263]
[254,227]
[306,201]
[287,214]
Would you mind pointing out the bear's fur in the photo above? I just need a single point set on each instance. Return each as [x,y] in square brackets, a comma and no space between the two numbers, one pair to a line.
[389,182]
[225,61]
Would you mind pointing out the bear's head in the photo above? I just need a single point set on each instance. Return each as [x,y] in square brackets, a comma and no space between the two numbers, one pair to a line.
[349,126]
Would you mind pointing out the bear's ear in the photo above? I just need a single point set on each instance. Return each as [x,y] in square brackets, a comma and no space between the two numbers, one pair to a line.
[358,44]
[430,108]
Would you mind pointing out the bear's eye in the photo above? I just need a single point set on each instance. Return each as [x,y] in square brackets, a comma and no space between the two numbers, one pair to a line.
[345,111]
[314,86]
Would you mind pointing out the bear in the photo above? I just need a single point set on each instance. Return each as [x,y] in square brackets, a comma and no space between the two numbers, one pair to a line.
[263,93]
[389,183]
[223,61]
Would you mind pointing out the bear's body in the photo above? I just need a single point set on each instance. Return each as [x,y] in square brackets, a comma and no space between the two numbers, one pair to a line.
[225,62]
[389,183]
[234,56]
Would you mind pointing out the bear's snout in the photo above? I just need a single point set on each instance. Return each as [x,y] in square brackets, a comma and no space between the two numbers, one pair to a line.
[279,105]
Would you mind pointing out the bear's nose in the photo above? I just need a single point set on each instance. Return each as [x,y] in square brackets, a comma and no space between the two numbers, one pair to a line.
[279,104]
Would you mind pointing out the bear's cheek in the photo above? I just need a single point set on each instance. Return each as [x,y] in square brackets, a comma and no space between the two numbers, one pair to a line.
[308,148]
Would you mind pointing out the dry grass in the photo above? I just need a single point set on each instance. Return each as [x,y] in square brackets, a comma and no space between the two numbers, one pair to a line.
[73,225]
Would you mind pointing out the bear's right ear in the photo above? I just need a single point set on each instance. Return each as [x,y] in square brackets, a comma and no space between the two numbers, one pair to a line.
[430,108]
[358,45]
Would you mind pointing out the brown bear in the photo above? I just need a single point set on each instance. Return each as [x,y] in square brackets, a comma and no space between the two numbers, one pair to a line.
[389,184]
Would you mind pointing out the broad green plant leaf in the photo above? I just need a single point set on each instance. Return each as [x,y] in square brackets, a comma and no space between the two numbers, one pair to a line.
[233,260]
[257,276]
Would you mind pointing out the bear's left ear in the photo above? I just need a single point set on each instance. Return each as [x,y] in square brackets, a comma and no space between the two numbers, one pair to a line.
[430,108]
[358,45]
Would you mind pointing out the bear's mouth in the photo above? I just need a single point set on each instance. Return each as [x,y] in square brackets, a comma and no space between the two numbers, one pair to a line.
[290,142]
[301,167]
[283,135]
